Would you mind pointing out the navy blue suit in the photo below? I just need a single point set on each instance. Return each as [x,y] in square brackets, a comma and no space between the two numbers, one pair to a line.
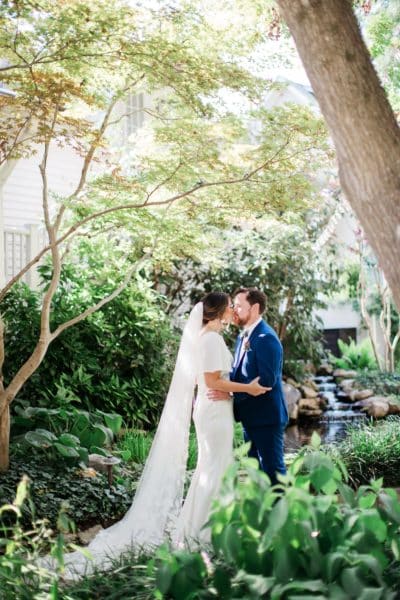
[264,417]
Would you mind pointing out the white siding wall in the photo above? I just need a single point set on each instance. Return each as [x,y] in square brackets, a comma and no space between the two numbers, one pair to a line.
[22,199]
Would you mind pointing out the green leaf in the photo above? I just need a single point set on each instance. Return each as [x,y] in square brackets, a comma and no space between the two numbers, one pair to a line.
[40,438]
[276,521]
[315,441]
[256,584]
[66,451]
[164,577]
[230,543]
[367,500]
[113,422]
[67,439]
[321,476]
[351,582]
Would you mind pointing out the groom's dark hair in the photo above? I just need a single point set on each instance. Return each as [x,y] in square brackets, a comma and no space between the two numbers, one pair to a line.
[253,296]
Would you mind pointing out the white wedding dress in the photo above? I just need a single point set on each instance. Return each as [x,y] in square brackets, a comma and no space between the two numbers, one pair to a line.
[213,420]
[156,514]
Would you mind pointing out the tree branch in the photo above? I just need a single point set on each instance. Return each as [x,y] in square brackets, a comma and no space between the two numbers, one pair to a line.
[99,304]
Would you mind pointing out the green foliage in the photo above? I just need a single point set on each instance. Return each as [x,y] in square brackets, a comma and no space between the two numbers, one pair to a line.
[134,445]
[382,33]
[129,578]
[385,384]
[372,451]
[117,360]
[355,356]
[316,539]
[87,497]
[20,577]
[60,432]
[264,257]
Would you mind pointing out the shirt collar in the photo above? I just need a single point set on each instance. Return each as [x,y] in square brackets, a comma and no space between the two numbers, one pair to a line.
[249,330]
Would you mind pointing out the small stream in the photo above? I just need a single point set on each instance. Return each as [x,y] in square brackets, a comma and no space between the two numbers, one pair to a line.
[331,425]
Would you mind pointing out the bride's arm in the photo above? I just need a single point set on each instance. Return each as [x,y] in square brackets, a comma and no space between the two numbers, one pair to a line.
[214,381]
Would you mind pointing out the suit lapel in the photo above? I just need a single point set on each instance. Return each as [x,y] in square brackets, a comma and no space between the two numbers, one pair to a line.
[256,331]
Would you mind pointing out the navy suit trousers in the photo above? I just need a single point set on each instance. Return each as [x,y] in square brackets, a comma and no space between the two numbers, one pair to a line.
[267,448]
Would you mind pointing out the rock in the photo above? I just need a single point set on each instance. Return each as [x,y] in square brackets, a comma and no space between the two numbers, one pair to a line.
[323,402]
[374,406]
[314,414]
[85,537]
[344,373]
[394,406]
[325,369]
[360,394]
[293,382]
[292,397]
[378,409]
[293,413]
[307,404]
[343,396]
[347,383]
[308,392]
[311,383]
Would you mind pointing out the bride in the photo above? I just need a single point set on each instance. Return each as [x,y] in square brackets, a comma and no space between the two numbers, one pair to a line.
[156,513]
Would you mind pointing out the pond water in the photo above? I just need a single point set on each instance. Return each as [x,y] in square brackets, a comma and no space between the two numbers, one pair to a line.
[332,424]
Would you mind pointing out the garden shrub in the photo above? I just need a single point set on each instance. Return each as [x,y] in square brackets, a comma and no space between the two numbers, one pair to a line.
[68,433]
[372,450]
[21,577]
[383,383]
[117,360]
[263,257]
[355,356]
[88,500]
[316,539]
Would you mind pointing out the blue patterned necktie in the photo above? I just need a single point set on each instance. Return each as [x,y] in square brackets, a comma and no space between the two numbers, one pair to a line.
[243,338]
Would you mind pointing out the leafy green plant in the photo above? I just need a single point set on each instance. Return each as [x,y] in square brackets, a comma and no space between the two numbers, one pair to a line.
[383,383]
[355,356]
[69,433]
[21,577]
[118,360]
[263,257]
[372,450]
[312,536]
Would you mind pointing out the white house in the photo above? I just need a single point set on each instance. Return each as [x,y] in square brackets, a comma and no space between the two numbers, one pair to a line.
[22,232]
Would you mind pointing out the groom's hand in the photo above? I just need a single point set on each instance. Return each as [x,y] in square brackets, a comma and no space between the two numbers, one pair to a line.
[216,395]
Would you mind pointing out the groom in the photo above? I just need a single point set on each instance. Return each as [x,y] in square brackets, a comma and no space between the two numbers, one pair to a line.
[258,353]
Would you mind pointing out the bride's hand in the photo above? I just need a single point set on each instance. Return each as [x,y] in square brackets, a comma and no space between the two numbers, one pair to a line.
[255,389]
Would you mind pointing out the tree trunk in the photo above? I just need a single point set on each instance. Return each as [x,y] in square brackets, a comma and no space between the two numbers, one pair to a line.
[359,117]
[4,439]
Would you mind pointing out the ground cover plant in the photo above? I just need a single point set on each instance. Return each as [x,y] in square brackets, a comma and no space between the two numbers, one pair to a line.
[371,451]
[85,495]
[383,383]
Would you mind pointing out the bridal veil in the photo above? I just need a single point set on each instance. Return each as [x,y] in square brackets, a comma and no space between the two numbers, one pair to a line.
[158,499]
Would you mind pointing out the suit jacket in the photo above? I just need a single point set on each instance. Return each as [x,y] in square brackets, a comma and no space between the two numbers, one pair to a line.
[263,358]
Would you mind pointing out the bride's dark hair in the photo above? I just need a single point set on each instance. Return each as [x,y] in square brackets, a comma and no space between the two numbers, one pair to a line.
[214,306]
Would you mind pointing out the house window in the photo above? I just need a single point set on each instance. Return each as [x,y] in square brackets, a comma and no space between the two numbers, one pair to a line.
[331,337]
[134,113]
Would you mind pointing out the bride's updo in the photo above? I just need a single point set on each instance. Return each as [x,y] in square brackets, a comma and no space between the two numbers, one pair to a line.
[214,306]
